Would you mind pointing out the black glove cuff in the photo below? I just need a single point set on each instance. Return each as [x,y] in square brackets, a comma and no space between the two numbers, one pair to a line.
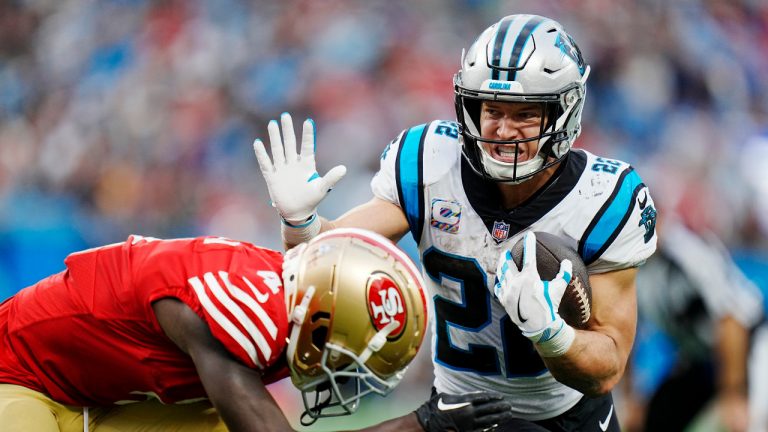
[422,415]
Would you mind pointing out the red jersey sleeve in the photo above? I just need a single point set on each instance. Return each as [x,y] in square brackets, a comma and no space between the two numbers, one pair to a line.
[240,314]
[237,289]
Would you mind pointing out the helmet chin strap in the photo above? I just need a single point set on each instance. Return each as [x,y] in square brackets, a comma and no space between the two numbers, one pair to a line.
[378,341]
[297,318]
[505,171]
[290,272]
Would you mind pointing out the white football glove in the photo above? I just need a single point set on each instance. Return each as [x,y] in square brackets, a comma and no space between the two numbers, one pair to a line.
[530,302]
[295,187]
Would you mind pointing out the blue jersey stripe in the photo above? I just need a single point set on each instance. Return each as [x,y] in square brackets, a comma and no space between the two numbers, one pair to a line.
[611,218]
[409,171]
[522,40]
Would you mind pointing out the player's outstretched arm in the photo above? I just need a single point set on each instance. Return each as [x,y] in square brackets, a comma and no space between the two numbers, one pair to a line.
[236,391]
[471,412]
[591,361]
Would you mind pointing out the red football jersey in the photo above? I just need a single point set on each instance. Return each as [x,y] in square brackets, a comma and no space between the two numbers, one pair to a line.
[89,336]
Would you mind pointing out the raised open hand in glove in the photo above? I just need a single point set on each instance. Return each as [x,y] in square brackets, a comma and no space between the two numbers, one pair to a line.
[477,411]
[294,185]
[532,303]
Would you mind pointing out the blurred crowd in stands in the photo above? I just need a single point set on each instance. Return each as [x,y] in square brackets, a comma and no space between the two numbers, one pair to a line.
[137,116]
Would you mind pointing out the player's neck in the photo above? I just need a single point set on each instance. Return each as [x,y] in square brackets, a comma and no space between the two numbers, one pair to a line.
[513,195]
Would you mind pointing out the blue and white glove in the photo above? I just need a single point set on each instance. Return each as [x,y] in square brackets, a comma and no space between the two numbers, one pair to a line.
[532,303]
[295,187]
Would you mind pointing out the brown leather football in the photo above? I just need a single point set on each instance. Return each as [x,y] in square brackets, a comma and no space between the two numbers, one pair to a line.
[576,305]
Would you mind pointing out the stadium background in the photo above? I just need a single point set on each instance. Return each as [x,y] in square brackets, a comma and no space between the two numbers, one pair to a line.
[137,116]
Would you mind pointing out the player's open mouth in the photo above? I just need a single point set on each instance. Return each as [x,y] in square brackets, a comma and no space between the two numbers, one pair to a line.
[506,153]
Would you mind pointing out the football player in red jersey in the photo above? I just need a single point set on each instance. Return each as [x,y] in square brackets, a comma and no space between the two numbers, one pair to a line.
[184,335]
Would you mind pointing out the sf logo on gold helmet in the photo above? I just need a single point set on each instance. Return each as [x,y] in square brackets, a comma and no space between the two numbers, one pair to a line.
[385,304]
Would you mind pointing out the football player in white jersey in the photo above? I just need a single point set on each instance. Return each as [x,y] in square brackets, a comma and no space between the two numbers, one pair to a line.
[467,191]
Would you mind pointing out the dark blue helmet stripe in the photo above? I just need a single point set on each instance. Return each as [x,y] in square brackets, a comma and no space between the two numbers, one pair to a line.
[409,172]
[498,44]
[611,218]
[520,42]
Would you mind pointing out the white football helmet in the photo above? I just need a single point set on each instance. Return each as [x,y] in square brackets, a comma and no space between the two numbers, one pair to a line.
[359,315]
[522,58]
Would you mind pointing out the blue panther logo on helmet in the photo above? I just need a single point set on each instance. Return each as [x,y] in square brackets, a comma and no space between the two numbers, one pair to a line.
[570,49]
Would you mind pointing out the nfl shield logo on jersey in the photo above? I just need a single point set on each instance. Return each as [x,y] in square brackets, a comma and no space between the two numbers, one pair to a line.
[500,231]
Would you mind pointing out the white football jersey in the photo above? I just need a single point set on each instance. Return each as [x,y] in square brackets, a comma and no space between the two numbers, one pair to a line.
[600,206]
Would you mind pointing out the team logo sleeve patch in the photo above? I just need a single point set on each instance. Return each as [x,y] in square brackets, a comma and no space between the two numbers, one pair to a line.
[647,217]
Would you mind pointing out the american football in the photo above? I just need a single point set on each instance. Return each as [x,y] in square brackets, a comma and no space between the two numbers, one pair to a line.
[576,305]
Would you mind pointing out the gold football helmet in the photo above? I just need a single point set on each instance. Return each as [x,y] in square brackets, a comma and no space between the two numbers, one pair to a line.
[358,313]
